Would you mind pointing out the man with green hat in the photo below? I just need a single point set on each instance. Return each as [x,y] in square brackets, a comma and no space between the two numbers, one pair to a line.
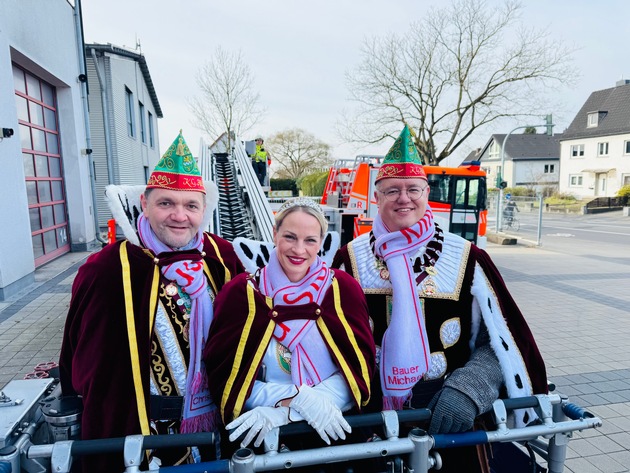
[139,317]
[449,335]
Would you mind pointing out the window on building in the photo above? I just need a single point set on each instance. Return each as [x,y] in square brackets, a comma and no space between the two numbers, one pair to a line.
[495,150]
[626,147]
[626,180]
[550,168]
[488,171]
[575,180]
[593,119]
[143,125]
[577,150]
[151,133]
[602,149]
[131,123]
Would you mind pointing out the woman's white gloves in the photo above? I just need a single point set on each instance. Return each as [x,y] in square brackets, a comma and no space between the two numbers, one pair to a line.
[315,407]
[321,413]
[259,420]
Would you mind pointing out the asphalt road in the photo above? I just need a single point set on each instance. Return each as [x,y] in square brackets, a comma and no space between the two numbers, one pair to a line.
[599,235]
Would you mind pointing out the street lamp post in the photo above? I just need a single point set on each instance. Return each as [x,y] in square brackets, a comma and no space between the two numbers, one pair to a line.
[549,125]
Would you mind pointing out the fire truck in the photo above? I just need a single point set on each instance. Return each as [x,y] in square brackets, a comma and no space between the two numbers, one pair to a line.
[457,197]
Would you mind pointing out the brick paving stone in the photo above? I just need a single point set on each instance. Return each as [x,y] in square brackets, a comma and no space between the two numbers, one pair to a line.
[607,464]
[581,465]
[613,397]
[622,458]
[621,408]
[606,444]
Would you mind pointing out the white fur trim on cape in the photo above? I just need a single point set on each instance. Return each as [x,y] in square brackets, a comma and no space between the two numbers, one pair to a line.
[254,254]
[515,376]
[124,203]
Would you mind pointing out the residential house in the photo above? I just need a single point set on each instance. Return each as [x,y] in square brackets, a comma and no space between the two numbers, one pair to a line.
[529,160]
[595,148]
[46,197]
[124,109]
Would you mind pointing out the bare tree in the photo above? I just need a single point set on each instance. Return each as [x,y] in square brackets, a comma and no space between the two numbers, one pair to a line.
[296,153]
[461,67]
[227,103]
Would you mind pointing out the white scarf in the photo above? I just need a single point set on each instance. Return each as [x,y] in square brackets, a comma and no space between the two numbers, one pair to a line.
[310,359]
[405,352]
[199,410]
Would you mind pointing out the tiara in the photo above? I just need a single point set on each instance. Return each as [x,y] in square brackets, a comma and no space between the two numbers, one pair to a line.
[301,202]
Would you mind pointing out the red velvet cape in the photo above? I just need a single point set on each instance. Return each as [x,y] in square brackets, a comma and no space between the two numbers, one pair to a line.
[95,360]
[239,336]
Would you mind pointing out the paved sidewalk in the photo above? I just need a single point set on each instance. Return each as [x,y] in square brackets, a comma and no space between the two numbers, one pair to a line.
[31,323]
[578,311]
[577,307]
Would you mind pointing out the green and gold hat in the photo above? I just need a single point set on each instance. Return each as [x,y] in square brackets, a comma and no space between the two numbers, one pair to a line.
[177,169]
[402,160]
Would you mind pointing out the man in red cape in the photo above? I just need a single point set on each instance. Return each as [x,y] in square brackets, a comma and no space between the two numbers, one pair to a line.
[449,335]
[139,317]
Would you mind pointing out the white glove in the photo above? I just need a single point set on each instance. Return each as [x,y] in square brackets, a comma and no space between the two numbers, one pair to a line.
[259,420]
[321,413]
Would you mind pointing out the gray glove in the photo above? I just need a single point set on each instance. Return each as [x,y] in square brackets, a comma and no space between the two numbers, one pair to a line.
[259,420]
[321,413]
[453,411]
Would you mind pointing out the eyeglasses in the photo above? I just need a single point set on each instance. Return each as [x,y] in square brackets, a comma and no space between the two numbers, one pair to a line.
[414,193]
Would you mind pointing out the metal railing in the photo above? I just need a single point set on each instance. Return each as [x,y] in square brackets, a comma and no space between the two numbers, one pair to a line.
[607,202]
[549,436]
[262,215]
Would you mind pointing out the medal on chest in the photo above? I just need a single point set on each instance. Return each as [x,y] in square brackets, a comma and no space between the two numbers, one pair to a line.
[428,285]
[171,290]
[283,355]
[383,272]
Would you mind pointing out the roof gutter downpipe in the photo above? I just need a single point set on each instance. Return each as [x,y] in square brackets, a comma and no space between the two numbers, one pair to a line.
[78,29]
[104,102]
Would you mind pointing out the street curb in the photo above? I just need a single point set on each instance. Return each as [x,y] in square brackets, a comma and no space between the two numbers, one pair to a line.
[501,239]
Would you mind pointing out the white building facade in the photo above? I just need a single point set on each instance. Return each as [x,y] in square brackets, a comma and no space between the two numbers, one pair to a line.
[124,110]
[46,189]
[529,160]
[595,148]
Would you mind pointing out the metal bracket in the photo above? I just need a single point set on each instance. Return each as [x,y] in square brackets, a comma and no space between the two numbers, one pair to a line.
[546,408]
[500,415]
[390,424]
[271,442]
[133,453]
[61,458]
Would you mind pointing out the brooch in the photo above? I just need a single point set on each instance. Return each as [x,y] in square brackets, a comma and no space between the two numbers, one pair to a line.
[430,270]
[383,272]
[171,290]
[429,287]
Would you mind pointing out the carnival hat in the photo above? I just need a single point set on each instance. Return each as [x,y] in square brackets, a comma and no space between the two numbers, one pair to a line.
[402,160]
[177,169]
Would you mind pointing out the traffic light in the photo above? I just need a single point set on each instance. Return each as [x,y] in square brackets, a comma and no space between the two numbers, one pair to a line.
[500,183]
[549,124]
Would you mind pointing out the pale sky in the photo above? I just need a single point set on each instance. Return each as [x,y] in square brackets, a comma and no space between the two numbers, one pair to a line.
[299,52]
